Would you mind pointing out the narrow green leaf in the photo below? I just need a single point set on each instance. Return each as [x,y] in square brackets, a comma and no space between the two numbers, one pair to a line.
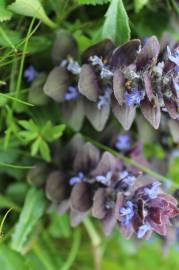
[35,146]
[44,150]
[139,4]
[11,260]
[32,210]
[32,8]
[116,24]
[5,14]
[92,2]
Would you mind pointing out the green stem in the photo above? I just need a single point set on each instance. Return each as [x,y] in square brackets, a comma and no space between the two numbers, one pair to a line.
[73,252]
[128,160]
[19,80]
[96,242]
[5,36]
[13,166]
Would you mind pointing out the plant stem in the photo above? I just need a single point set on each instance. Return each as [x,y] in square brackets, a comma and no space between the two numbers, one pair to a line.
[73,252]
[96,242]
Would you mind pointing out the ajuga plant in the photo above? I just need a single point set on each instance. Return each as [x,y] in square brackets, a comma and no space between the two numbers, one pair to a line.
[89,134]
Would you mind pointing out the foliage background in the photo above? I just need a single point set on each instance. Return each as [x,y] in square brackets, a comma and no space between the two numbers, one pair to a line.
[32,237]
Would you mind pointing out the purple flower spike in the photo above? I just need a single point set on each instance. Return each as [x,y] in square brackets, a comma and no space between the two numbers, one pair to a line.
[72,93]
[30,73]
[123,142]
[173,57]
[134,97]
[153,190]
[76,179]
[142,230]
[127,213]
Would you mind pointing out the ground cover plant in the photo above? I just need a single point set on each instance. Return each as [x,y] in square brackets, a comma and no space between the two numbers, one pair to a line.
[89,134]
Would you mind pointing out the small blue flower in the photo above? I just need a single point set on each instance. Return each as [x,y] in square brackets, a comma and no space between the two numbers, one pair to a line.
[123,143]
[72,93]
[127,213]
[142,230]
[153,190]
[106,73]
[96,61]
[134,97]
[73,67]
[103,100]
[104,179]
[30,74]
[76,179]
[173,57]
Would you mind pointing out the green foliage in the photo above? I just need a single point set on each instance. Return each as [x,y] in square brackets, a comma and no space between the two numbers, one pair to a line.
[10,259]
[139,4]
[92,2]
[39,136]
[116,24]
[5,14]
[174,169]
[59,226]
[32,211]
[31,8]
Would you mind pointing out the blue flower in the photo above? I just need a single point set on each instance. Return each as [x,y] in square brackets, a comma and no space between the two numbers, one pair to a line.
[142,230]
[134,97]
[76,179]
[30,73]
[73,67]
[104,179]
[103,100]
[72,93]
[123,142]
[153,190]
[96,61]
[173,57]
[106,73]
[127,213]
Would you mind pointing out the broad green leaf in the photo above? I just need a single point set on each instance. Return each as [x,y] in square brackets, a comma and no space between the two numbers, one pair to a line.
[139,4]
[29,125]
[116,24]
[11,260]
[32,210]
[5,14]
[32,8]
[92,2]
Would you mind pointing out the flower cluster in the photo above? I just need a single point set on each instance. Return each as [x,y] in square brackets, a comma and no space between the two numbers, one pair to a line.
[90,181]
[137,74]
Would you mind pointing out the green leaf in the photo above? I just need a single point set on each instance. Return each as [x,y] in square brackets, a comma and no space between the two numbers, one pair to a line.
[35,147]
[116,24]
[139,4]
[51,133]
[32,8]
[44,150]
[29,125]
[59,226]
[92,2]
[32,210]
[10,260]
[5,14]
[6,202]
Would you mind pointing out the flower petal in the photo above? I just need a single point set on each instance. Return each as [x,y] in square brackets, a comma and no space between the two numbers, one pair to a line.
[57,84]
[55,186]
[99,199]
[149,53]
[87,84]
[118,86]
[126,54]
[151,112]
[81,197]
[124,114]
